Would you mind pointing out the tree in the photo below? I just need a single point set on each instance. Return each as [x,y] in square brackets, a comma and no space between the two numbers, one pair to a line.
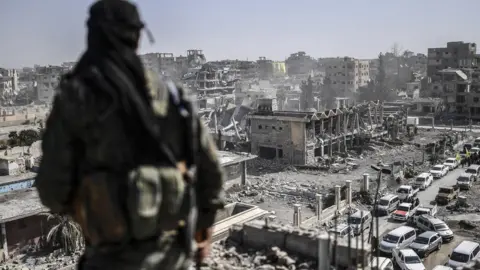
[24,138]
[28,136]
[13,139]
[65,234]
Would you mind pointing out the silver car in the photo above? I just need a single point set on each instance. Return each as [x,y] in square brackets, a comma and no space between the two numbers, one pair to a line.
[426,243]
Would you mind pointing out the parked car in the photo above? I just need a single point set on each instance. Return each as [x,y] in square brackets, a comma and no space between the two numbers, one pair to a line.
[360,221]
[463,253]
[405,211]
[474,169]
[423,210]
[387,204]
[439,171]
[476,143]
[423,181]
[400,237]
[407,259]
[381,263]
[452,163]
[429,223]
[474,150]
[446,194]
[407,192]
[426,243]
[342,231]
[465,181]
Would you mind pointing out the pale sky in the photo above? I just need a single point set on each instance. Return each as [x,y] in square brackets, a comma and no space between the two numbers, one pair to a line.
[53,31]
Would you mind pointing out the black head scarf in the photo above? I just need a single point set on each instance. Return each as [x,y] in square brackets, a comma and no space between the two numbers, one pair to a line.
[115,71]
[114,28]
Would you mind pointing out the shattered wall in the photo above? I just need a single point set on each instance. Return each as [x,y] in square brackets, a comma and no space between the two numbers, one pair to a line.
[286,138]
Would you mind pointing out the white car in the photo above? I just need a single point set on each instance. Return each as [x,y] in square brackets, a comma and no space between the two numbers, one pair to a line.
[452,163]
[423,181]
[474,150]
[439,171]
[407,259]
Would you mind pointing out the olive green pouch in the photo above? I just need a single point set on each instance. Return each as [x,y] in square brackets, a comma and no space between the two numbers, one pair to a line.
[155,195]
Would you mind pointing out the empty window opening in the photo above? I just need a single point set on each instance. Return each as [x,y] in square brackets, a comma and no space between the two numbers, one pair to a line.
[267,152]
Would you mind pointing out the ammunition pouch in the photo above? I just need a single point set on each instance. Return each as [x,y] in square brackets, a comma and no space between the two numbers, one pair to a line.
[152,200]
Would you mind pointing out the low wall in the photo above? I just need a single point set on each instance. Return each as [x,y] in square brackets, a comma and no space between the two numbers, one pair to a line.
[327,215]
[306,243]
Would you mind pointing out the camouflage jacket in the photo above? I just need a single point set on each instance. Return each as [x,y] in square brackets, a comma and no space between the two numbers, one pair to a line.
[63,146]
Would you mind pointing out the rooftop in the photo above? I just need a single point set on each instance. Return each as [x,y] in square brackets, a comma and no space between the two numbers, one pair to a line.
[19,204]
[7,179]
[228,158]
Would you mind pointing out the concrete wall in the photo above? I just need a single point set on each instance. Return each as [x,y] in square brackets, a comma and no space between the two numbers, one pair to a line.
[25,231]
[287,137]
[306,243]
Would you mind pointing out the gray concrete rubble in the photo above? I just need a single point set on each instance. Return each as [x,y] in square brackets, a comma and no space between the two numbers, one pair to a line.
[276,186]
[31,259]
[256,245]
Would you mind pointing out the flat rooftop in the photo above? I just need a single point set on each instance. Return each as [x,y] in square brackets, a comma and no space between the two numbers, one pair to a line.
[19,204]
[8,179]
[229,158]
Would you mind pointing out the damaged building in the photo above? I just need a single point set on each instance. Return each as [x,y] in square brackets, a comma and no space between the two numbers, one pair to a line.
[300,138]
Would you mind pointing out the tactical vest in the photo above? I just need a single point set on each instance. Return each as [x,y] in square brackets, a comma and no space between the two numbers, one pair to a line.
[144,200]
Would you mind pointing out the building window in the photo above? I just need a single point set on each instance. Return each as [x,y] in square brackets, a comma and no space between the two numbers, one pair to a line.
[476,99]
[259,126]
[280,128]
[280,153]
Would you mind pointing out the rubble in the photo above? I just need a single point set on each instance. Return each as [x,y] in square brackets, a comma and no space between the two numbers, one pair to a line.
[228,255]
[31,259]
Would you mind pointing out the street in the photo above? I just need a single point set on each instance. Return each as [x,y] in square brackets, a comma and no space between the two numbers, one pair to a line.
[426,197]
[475,129]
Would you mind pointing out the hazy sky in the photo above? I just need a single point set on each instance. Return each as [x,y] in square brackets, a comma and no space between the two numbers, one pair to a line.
[53,31]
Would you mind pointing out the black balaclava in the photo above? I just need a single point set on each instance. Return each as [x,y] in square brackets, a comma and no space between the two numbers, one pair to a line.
[114,28]
[114,72]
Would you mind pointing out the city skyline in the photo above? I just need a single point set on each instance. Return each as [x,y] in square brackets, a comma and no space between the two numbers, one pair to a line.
[54,32]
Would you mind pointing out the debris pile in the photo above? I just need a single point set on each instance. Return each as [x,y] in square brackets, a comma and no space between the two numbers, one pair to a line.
[228,255]
[52,261]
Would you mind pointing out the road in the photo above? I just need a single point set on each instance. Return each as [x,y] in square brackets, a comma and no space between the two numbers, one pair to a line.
[475,129]
[426,197]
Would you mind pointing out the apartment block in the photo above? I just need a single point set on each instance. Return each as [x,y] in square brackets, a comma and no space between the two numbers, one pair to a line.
[300,64]
[348,74]
[8,83]
[456,55]
[169,65]
[47,79]
[460,90]
[265,67]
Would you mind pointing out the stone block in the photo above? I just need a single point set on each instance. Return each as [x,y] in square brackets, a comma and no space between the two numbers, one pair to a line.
[256,236]
[302,243]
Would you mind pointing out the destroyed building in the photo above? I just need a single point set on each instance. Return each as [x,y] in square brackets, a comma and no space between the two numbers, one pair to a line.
[301,137]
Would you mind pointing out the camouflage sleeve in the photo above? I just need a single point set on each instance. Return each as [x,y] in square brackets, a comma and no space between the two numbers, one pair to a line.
[209,181]
[54,180]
